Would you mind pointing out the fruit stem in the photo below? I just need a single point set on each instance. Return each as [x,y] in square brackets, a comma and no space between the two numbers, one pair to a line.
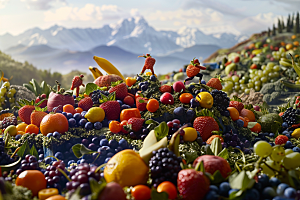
[15,152]
[98,169]
[58,85]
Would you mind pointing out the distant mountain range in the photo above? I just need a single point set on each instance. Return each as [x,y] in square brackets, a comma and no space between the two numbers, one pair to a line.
[63,49]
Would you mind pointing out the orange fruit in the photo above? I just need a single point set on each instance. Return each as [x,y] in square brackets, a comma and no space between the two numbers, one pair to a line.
[130,81]
[115,126]
[289,46]
[54,122]
[21,126]
[169,188]
[56,197]
[34,180]
[282,43]
[152,105]
[31,128]
[294,37]
[209,140]
[141,192]
[46,193]
[126,114]
[234,113]
[68,108]
[185,97]
[78,110]
[256,128]
[249,114]
[296,43]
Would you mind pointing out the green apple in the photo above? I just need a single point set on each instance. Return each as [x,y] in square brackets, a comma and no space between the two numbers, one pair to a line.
[11,130]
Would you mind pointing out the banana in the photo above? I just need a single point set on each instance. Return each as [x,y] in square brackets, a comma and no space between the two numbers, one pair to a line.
[96,72]
[286,60]
[107,66]
[174,143]
[285,64]
[290,85]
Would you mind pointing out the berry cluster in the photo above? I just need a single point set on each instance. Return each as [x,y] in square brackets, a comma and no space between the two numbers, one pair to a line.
[54,177]
[164,166]
[96,95]
[291,116]
[221,100]
[4,157]
[232,139]
[7,121]
[29,163]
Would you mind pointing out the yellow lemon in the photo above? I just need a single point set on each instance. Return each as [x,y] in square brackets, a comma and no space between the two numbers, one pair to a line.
[190,134]
[21,127]
[296,133]
[205,99]
[126,168]
[149,74]
[95,114]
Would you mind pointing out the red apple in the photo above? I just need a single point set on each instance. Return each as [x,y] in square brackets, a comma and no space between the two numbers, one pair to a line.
[167,98]
[112,191]
[178,86]
[59,100]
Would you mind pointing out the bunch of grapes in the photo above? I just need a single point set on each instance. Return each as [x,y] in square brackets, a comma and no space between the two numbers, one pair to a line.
[7,99]
[233,140]
[4,157]
[29,163]
[7,121]
[80,177]
[164,166]
[54,177]
[96,95]
[291,116]
[221,100]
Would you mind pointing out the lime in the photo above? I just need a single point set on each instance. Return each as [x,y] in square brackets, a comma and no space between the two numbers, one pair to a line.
[190,134]
[95,114]
[205,99]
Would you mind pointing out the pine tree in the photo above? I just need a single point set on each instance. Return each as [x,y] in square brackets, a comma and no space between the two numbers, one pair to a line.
[288,25]
[292,21]
[282,24]
[269,32]
[274,30]
[279,26]
[297,24]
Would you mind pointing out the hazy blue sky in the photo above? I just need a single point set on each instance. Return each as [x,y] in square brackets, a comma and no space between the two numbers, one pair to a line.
[210,16]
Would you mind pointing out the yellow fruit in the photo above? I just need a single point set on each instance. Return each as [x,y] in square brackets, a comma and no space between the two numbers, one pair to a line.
[95,114]
[205,99]
[289,46]
[296,133]
[257,51]
[149,74]
[20,133]
[46,193]
[126,168]
[190,134]
[21,126]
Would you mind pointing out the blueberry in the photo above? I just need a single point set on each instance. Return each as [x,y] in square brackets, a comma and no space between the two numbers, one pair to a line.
[285,132]
[72,122]
[203,90]
[41,156]
[56,134]
[59,155]
[232,190]
[97,125]
[285,125]
[271,135]
[17,137]
[144,87]
[105,122]
[82,122]
[240,123]
[123,143]
[125,106]
[190,88]
[104,142]
[110,154]
[49,134]
[139,78]
[288,145]
[179,111]
[224,188]
[152,78]
[252,194]
[288,135]
[214,188]
[264,180]
[92,147]
[268,193]
[77,116]
[141,84]
[83,113]
[203,82]
[281,188]
[290,192]
[85,142]
[89,126]
[211,195]
[65,114]
[69,115]
[296,149]
[120,102]
[194,103]
[274,182]
[113,144]
[107,159]
[226,113]
[48,160]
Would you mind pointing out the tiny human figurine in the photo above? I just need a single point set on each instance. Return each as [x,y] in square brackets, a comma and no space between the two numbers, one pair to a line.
[194,70]
[76,83]
[149,63]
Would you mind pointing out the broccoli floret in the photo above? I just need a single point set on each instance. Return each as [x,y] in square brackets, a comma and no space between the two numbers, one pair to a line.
[19,193]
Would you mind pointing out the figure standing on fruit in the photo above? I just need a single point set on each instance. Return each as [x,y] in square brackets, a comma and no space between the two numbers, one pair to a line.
[194,70]
[149,63]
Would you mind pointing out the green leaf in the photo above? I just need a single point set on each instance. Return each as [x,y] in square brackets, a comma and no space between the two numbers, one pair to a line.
[200,167]
[216,146]
[161,130]
[36,87]
[29,87]
[142,101]
[224,154]
[45,88]
[79,150]
[208,151]
[159,195]
[34,152]
[217,178]
[76,194]
[241,181]
[150,121]
[236,195]
[90,87]
[24,149]
[113,84]
[190,157]
[251,124]
[96,188]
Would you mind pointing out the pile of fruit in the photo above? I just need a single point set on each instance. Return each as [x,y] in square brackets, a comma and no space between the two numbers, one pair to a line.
[138,138]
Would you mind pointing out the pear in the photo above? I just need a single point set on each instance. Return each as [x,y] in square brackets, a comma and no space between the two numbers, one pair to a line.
[11,130]
[149,140]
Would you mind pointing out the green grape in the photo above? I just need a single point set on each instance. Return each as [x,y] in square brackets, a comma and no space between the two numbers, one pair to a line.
[2,99]
[256,88]
[276,68]
[270,65]
[247,91]
[241,81]
[271,74]
[267,170]
[9,94]
[252,76]
[230,84]
[276,74]
[257,83]
[281,50]
[264,79]
[288,151]
[278,153]
[237,88]
[269,68]
[250,85]
[263,67]
[235,79]
[242,87]
[11,100]
[262,148]
[283,55]
[265,73]
[292,160]
[3,90]
[297,82]
[256,78]
[6,84]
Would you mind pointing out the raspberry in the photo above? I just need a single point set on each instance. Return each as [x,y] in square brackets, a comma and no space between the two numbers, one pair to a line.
[281,139]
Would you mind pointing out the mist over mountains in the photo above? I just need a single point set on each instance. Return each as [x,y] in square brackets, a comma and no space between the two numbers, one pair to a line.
[61,49]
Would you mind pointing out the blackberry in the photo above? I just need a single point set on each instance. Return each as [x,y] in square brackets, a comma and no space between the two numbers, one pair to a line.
[291,116]
[221,100]
[96,95]
[164,166]
[7,121]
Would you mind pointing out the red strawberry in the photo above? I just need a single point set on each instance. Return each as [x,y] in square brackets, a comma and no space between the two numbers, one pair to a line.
[25,112]
[205,125]
[85,103]
[236,104]
[141,103]
[128,100]
[121,91]
[165,88]
[76,82]
[40,98]
[149,63]
[192,185]
[136,123]
[236,59]
[192,70]
[36,117]
[297,102]
[281,139]
[214,83]
[112,109]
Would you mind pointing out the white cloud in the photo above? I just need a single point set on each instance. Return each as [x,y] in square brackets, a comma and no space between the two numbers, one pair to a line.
[41,4]
[89,12]
[3,3]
